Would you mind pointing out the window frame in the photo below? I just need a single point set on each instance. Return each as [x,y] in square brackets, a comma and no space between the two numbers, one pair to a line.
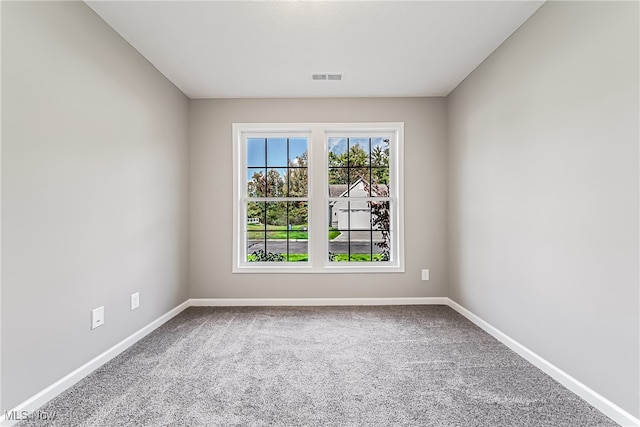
[318,197]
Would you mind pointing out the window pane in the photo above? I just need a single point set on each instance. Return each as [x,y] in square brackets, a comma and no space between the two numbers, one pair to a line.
[276,215]
[359,216]
[298,246]
[339,247]
[339,214]
[256,182]
[333,232]
[276,183]
[298,152]
[277,231]
[337,151]
[255,234]
[380,152]
[360,247]
[382,246]
[297,232]
[359,182]
[283,237]
[380,215]
[380,181]
[262,255]
[355,159]
[255,217]
[256,152]
[358,152]
[260,237]
[353,246]
[299,215]
[359,231]
[338,176]
[381,226]
[255,249]
[298,182]
[277,152]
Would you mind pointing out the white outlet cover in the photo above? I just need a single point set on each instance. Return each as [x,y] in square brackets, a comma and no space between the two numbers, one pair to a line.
[135,300]
[425,274]
[97,317]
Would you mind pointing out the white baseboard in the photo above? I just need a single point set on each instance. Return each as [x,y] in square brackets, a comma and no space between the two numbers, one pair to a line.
[253,302]
[599,402]
[596,400]
[35,402]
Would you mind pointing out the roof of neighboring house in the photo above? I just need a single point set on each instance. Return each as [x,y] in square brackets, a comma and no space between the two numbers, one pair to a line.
[337,190]
[340,190]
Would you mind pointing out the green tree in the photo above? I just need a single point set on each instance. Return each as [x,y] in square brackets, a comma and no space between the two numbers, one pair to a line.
[273,185]
[360,165]
[380,165]
[355,158]
[257,186]
[255,210]
[380,156]
[277,214]
[276,184]
[298,180]
[298,213]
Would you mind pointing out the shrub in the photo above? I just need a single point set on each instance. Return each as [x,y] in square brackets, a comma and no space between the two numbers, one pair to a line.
[262,255]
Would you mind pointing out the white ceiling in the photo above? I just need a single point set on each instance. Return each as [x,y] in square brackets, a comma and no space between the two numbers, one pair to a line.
[269,49]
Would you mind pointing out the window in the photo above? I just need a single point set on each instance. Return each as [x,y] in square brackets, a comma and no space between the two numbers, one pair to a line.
[318,197]
[276,200]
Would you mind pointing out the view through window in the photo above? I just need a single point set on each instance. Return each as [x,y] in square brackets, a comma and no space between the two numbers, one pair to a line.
[277,199]
[318,197]
[359,199]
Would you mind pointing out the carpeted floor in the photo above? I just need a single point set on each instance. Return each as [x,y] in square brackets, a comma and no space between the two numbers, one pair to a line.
[320,366]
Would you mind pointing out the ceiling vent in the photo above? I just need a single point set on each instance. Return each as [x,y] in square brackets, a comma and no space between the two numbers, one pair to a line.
[325,76]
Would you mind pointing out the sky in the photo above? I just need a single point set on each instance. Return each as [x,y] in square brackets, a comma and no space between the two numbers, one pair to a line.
[276,151]
[339,145]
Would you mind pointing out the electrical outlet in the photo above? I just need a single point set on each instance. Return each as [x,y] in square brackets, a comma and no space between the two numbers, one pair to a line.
[135,300]
[97,317]
[425,274]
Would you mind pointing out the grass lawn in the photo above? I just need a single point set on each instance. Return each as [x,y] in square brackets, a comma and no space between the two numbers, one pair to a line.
[276,232]
[333,233]
[279,232]
[357,257]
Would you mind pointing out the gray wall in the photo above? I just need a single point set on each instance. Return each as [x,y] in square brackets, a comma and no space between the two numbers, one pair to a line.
[94,192]
[543,185]
[211,195]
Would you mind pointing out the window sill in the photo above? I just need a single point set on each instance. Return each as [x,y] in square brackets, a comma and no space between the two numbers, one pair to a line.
[361,268]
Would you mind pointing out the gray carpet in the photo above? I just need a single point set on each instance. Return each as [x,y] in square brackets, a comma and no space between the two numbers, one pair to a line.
[320,366]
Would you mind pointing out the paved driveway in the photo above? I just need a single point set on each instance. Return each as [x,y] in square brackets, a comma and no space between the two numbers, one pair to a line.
[358,236]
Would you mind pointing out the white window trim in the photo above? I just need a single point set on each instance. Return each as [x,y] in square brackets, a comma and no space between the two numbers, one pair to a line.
[318,195]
